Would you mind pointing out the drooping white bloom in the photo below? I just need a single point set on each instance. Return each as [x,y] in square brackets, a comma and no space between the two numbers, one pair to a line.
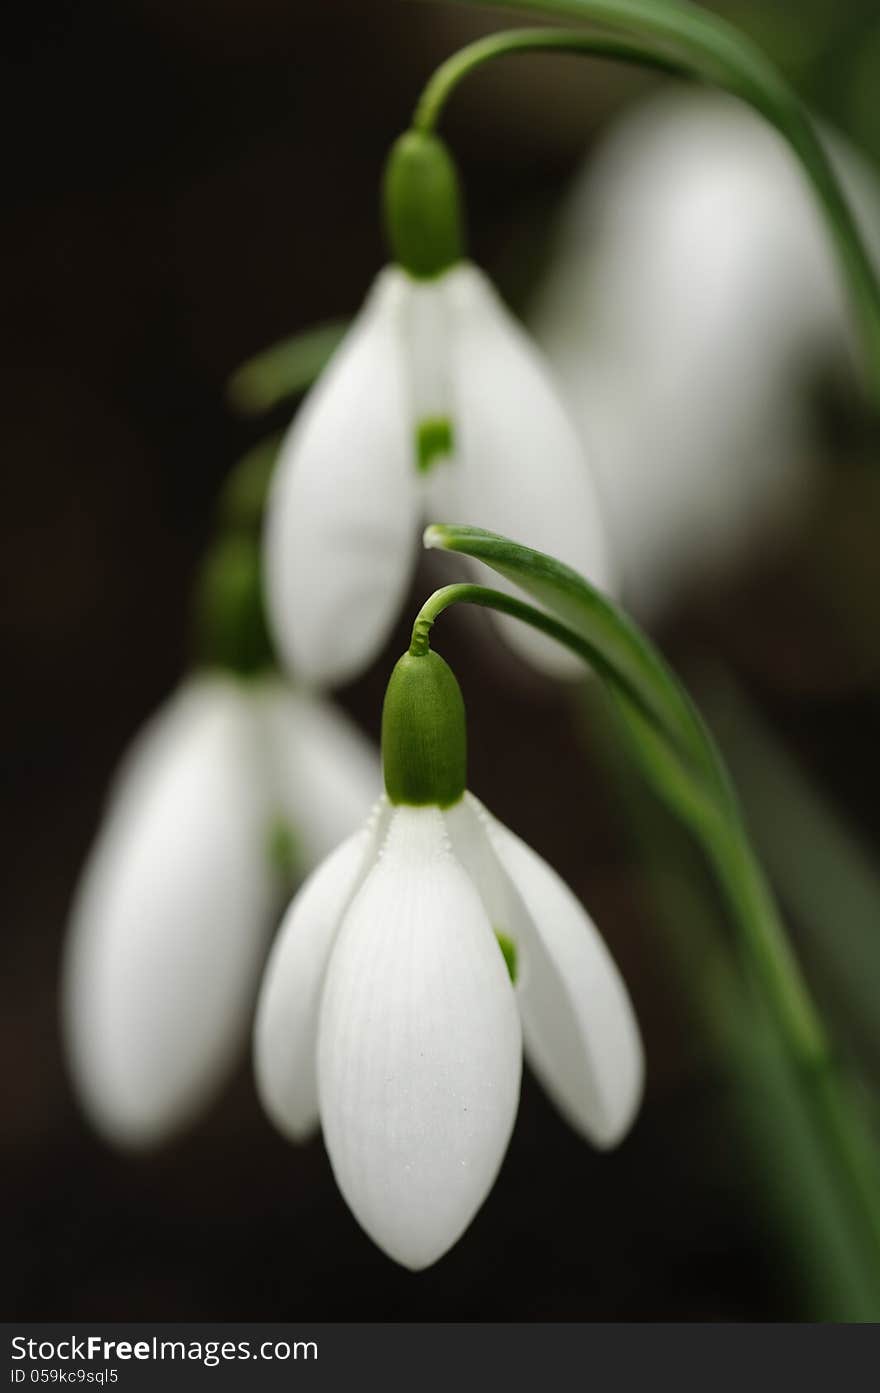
[388,1014]
[436,406]
[692,302]
[174,909]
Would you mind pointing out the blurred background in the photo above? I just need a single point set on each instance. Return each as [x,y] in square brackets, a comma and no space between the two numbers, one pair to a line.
[183,184]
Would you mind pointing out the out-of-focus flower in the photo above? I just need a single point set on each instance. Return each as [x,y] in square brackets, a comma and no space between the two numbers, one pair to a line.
[408,972]
[234,785]
[435,403]
[693,300]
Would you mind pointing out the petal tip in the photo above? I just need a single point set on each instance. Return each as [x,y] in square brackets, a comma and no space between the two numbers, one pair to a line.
[418,1259]
[299,1132]
[609,1129]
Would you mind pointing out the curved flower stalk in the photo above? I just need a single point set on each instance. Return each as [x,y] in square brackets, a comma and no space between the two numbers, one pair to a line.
[693,261]
[675,753]
[410,971]
[679,37]
[236,784]
[436,401]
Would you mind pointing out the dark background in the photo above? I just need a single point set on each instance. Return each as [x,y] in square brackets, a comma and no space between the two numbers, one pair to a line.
[184,182]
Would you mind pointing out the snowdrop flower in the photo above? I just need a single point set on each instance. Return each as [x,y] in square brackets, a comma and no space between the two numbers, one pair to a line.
[693,299]
[173,912]
[409,972]
[437,403]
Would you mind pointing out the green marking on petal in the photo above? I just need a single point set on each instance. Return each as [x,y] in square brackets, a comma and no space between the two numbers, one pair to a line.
[283,850]
[508,949]
[434,440]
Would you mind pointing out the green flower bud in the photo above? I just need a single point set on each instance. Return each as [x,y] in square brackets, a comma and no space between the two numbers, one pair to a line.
[422,205]
[230,621]
[424,736]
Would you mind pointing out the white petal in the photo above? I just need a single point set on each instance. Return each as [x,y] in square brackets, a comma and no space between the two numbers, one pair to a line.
[419,1049]
[343,507]
[286,1031]
[326,774]
[694,270]
[171,918]
[519,467]
[580,1031]
[427,328]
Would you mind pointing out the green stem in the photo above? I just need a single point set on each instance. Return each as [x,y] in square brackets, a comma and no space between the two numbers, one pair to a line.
[809,1048]
[446,78]
[681,38]
[768,948]
[463,593]
[822,872]
[466,593]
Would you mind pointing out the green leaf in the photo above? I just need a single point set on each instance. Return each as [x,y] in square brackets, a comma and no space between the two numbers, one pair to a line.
[647,692]
[686,796]
[802,1207]
[826,877]
[284,370]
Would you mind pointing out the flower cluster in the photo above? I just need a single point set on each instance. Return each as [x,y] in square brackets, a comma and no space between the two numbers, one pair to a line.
[426,951]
